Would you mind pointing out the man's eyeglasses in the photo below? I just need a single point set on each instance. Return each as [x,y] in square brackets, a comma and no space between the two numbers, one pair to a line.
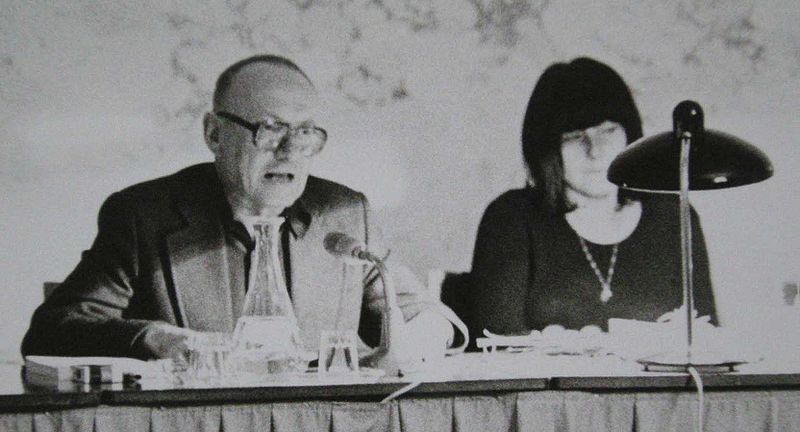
[274,135]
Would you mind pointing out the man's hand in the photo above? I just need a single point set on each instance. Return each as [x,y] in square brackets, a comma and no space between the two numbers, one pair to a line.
[164,340]
[429,334]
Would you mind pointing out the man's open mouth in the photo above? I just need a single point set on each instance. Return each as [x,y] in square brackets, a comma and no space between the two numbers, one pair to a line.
[279,177]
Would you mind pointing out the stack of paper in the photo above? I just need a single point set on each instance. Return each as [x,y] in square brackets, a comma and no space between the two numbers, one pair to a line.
[44,369]
[633,340]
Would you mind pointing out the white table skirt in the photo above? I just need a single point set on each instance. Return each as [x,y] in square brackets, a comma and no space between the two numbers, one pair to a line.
[775,410]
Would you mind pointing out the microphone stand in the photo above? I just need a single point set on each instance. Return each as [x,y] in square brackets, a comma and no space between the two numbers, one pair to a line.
[392,353]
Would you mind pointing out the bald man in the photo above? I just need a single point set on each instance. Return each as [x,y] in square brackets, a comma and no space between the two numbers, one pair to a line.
[172,255]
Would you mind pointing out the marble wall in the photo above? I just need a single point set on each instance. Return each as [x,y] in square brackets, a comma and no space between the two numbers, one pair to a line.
[423,102]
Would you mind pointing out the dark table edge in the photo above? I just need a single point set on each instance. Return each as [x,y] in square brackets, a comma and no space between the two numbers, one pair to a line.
[47,401]
[347,392]
[44,401]
[677,382]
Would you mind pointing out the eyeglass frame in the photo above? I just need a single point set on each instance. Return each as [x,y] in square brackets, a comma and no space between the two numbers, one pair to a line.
[270,123]
[583,137]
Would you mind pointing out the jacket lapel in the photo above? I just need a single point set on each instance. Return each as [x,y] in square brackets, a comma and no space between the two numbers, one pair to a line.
[198,262]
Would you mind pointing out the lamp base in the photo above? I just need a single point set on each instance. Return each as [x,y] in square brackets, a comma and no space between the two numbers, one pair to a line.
[704,363]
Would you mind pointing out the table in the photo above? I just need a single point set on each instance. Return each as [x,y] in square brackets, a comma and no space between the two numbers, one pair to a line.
[464,393]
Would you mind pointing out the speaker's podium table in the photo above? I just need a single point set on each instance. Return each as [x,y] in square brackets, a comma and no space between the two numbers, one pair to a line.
[471,392]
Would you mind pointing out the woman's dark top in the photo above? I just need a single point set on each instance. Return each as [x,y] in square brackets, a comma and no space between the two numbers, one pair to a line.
[529,271]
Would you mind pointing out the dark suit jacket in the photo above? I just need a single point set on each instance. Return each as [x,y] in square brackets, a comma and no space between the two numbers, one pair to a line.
[160,254]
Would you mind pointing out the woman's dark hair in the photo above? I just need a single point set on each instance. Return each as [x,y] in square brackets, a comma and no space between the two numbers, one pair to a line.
[571,96]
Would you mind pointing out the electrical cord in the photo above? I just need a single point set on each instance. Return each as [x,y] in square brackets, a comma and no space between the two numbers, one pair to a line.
[698,382]
[403,390]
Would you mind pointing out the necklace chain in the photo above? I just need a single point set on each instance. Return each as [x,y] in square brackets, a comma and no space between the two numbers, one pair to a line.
[605,282]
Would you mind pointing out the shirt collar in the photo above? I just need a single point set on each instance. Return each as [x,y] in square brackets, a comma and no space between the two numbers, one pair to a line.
[297,221]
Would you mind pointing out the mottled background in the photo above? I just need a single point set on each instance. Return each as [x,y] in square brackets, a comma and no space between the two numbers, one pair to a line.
[424,103]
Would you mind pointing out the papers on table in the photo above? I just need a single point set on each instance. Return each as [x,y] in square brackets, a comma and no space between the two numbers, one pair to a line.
[554,339]
[44,369]
[631,340]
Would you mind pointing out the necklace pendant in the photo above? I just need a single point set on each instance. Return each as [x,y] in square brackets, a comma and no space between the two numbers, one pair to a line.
[606,294]
[605,282]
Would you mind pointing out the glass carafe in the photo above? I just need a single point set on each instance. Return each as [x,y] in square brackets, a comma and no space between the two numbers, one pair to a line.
[267,336]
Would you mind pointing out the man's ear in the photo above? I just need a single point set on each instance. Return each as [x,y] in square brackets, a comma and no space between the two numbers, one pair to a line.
[211,132]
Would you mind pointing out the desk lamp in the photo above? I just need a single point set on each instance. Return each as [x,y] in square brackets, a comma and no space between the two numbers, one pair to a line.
[688,158]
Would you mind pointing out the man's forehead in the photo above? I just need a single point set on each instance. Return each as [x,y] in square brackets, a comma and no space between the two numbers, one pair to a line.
[266,88]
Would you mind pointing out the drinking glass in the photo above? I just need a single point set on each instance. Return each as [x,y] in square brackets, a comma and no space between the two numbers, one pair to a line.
[337,352]
[210,357]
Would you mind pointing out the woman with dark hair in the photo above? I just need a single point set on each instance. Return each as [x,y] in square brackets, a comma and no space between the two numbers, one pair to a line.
[571,248]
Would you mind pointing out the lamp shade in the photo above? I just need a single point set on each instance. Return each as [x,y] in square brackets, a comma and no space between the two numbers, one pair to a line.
[717,160]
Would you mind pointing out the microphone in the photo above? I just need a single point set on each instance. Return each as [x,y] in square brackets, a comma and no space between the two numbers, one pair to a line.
[392,353]
[342,245]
